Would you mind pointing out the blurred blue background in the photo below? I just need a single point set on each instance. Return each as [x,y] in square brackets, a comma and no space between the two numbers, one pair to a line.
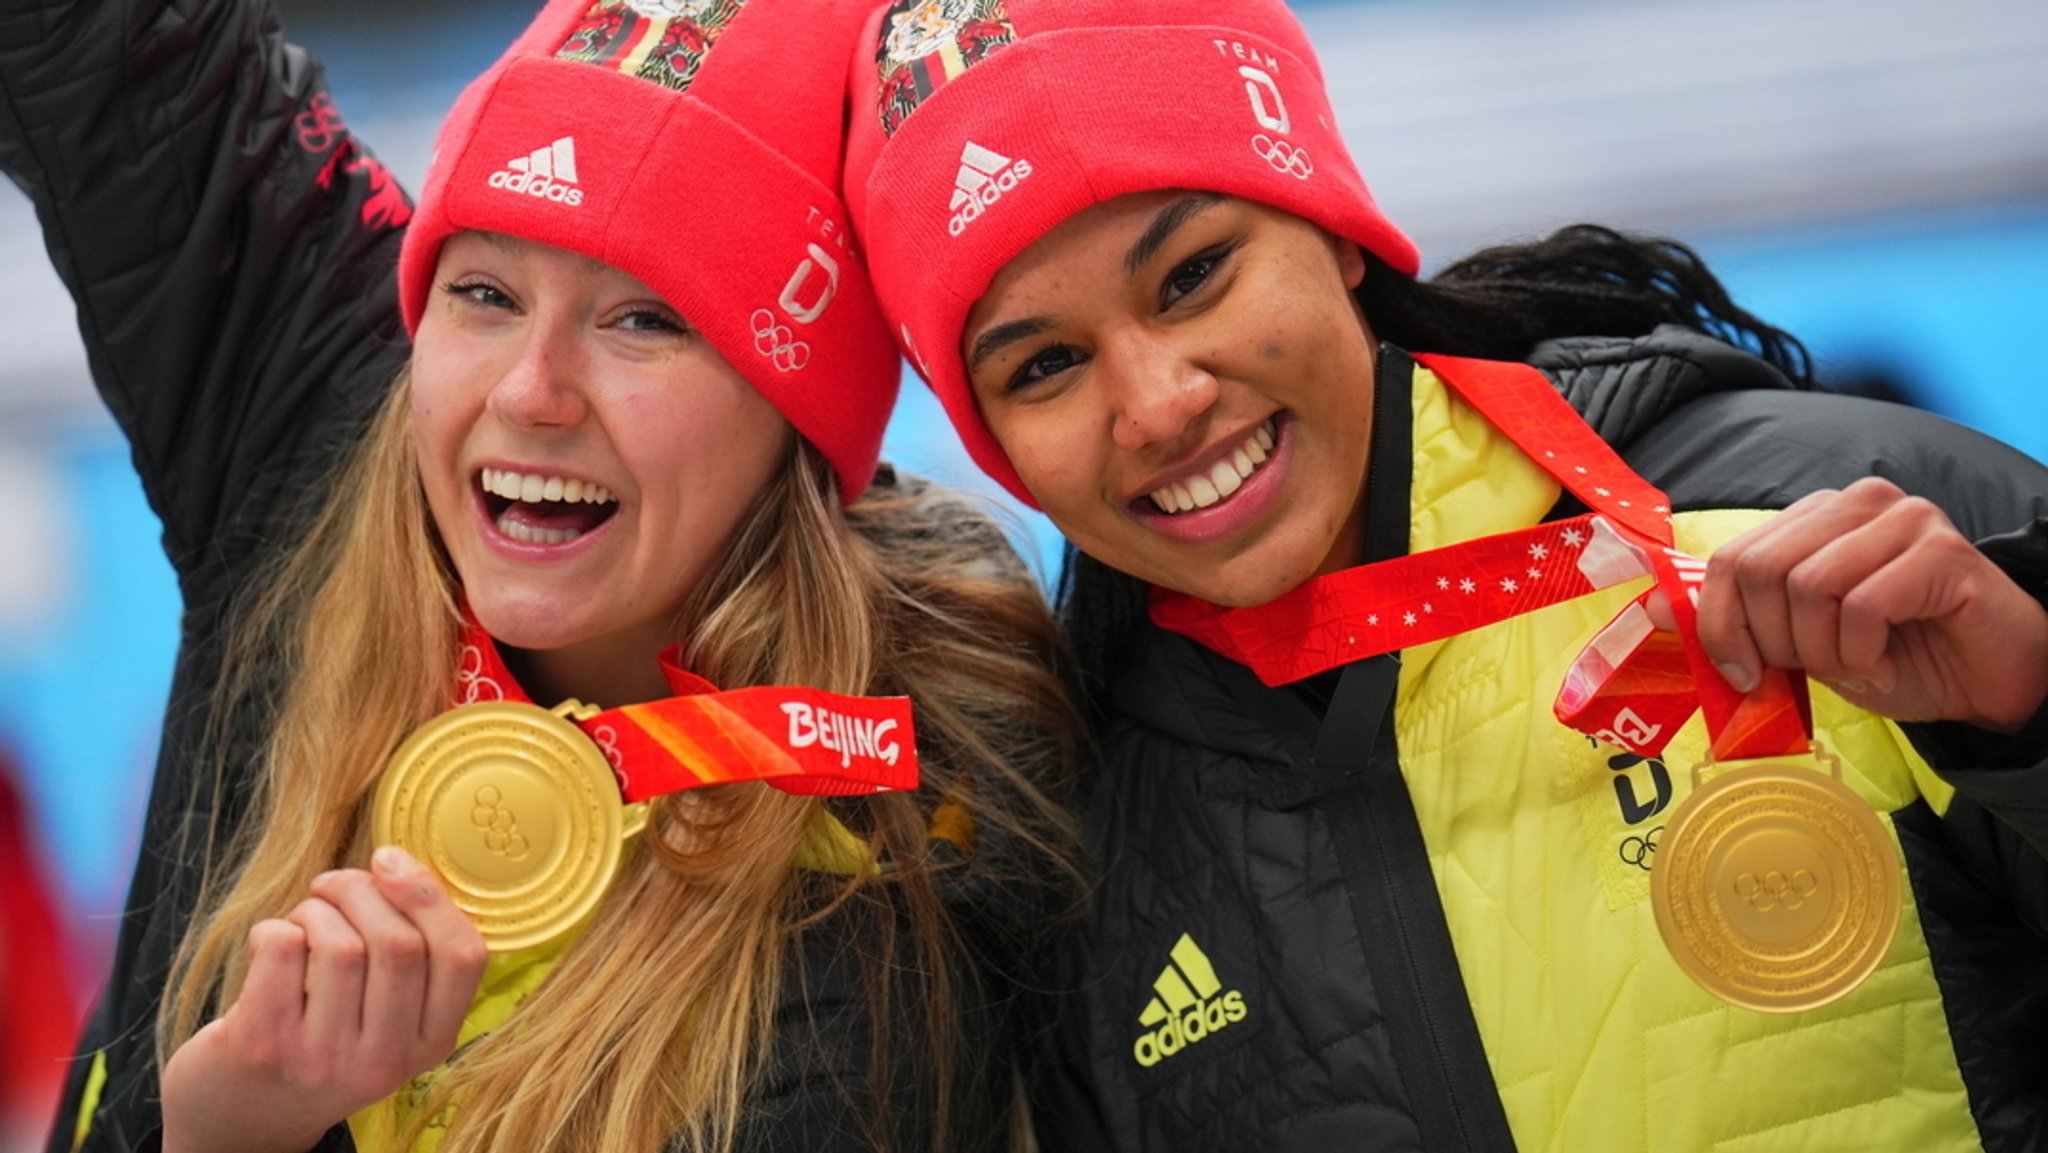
[1872,176]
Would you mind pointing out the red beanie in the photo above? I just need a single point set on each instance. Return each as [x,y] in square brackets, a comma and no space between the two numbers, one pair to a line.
[696,145]
[1028,111]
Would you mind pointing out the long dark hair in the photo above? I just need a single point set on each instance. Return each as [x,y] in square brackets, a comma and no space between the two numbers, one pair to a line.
[1498,303]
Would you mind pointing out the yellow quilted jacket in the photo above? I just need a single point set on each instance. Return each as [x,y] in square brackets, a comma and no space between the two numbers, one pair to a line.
[1598,1041]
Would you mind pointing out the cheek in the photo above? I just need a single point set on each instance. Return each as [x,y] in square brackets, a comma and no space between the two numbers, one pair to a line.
[1055,453]
[721,443]
[446,395]
[433,440]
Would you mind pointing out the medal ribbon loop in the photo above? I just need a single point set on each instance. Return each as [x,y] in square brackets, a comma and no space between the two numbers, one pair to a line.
[1633,686]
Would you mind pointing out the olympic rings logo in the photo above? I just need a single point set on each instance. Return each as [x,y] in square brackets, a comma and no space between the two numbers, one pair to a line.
[1283,156]
[1637,850]
[501,828]
[1775,890]
[778,343]
[607,739]
[469,674]
[319,125]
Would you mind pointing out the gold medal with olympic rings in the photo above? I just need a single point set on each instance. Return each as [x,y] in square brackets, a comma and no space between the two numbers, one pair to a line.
[517,811]
[1776,887]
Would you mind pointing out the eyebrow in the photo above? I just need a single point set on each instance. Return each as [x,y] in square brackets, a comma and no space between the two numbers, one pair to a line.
[1164,223]
[993,341]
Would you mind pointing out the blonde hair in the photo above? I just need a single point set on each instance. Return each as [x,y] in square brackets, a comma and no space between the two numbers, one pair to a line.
[653,1026]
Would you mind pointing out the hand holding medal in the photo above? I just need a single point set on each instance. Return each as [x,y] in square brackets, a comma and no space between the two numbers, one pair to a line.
[523,811]
[1877,595]
[1777,887]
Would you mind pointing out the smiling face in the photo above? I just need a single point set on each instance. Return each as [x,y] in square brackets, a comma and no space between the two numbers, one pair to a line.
[1184,383]
[585,454]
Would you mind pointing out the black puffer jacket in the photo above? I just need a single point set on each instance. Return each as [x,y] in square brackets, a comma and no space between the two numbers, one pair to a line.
[230,246]
[1269,963]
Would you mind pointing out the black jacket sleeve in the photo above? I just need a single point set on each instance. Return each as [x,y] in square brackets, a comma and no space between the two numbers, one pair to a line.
[228,243]
[229,248]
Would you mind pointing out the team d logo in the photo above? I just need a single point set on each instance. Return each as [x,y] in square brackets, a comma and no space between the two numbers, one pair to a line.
[1190,1005]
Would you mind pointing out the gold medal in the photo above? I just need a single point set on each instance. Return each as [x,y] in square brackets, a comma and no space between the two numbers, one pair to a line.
[515,808]
[1776,888]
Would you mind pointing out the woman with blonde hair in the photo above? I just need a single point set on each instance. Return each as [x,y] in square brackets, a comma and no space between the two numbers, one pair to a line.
[1399,848]
[630,459]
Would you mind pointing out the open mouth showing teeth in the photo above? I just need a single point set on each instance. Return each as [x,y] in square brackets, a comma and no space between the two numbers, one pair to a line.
[535,509]
[1224,477]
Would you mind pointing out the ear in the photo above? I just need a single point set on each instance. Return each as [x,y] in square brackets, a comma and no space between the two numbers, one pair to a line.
[1350,261]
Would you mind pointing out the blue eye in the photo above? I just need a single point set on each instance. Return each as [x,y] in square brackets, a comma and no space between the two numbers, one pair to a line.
[650,320]
[478,292]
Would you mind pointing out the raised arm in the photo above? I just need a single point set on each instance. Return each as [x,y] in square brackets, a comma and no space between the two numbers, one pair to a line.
[227,241]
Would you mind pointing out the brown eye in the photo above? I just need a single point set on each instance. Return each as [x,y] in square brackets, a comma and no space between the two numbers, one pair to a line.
[1045,364]
[1191,274]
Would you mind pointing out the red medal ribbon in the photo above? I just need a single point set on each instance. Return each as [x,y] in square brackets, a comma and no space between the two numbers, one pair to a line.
[1633,686]
[798,740]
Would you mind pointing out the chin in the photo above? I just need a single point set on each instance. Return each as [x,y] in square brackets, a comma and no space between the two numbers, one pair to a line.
[531,626]
[1252,580]
[1241,596]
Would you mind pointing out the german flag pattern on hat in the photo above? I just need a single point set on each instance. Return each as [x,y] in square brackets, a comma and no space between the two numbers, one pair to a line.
[928,42]
[659,41]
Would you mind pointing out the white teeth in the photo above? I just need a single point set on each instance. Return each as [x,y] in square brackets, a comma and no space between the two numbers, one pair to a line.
[530,535]
[1173,498]
[1224,477]
[533,488]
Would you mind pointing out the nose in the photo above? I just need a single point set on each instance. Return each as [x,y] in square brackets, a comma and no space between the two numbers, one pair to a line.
[541,388]
[1160,394]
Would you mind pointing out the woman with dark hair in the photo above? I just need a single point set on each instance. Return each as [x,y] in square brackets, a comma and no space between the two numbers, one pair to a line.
[628,455]
[1407,606]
